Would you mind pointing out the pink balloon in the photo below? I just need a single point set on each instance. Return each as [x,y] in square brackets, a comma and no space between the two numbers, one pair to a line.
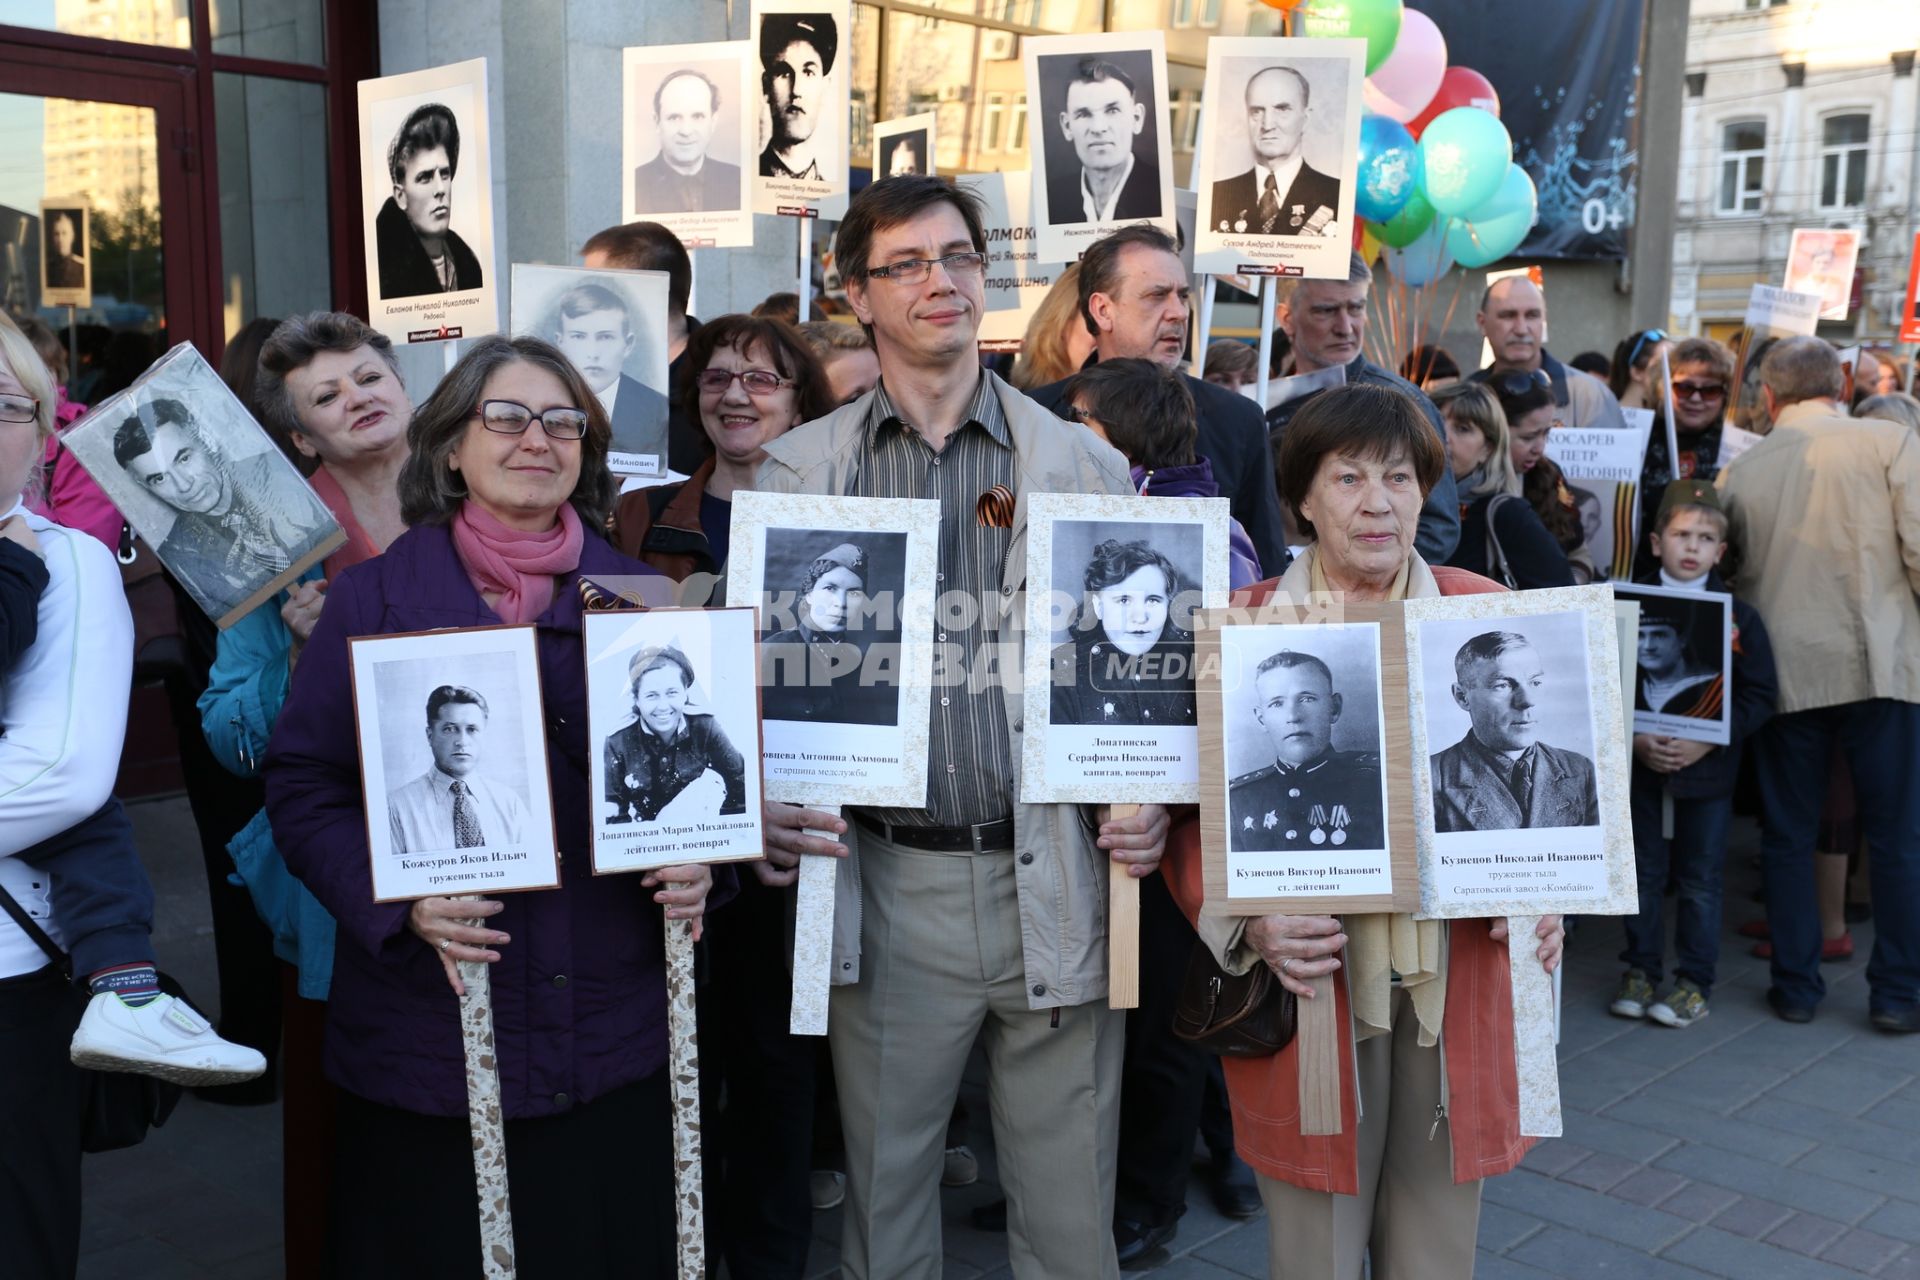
[1405,83]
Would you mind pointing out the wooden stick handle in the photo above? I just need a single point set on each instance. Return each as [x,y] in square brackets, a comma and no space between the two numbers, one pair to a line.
[1533,1033]
[813,938]
[683,1078]
[1123,927]
[489,1129]
[1316,1033]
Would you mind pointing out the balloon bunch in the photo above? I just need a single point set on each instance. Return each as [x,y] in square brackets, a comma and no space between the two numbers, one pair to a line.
[1437,181]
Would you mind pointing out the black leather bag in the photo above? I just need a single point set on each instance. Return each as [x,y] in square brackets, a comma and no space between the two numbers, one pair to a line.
[1245,1016]
[118,1107]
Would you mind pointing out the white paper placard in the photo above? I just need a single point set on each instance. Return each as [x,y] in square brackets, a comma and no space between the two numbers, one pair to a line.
[1684,670]
[1017,281]
[687,146]
[805,54]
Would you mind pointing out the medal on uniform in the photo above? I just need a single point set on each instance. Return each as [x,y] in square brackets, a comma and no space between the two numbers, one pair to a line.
[1271,821]
[1319,819]
[1298,216]
[1341,821]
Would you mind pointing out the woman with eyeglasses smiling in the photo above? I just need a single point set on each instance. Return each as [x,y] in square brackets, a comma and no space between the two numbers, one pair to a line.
[504,493]
[748,380]
[1702,390]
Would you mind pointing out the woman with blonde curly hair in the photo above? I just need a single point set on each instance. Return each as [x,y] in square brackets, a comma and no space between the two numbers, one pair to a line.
[1057,342]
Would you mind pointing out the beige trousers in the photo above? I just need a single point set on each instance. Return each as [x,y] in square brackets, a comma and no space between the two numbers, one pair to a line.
[940,963]
[1416,1222]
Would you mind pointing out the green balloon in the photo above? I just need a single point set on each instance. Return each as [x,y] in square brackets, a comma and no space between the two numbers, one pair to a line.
[1406,226]
[1375,21]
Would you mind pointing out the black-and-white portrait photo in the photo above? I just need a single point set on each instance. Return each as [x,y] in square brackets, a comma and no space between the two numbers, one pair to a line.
[1304,740]
[204,486]
[420,252]
[1279,192]
[1683,661]
[65,257]
[799,52]
[695,168]
[613,326]
[1511,699]
[835,657]
[678,742]
[1125,656]
[453,761]
[904,153]
[1102,152]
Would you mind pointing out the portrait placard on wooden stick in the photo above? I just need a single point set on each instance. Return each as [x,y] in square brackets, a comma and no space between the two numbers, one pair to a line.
[1684,666]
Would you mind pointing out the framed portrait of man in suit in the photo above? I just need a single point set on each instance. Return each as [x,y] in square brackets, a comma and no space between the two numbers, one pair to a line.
[613,326]
[453,762]
[1520,764]
[66,256]
[687,138]
[1102,148]
[1278,154]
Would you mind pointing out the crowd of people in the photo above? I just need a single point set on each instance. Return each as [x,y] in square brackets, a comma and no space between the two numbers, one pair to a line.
[976,918]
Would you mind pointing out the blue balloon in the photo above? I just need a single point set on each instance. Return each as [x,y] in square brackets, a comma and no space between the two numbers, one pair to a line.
[1390,168]
[1496,228]
[1425,260]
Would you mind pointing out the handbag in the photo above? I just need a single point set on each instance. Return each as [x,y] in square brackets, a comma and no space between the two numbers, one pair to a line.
[1497,566]
[1249,1015]
[117,1107]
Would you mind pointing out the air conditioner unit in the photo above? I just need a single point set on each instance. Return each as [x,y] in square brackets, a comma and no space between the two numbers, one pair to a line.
[999,46]
[1855,223]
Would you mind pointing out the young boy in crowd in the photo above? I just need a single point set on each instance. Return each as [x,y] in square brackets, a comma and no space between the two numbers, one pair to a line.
[1146,412]
[1689,537]
[100,895]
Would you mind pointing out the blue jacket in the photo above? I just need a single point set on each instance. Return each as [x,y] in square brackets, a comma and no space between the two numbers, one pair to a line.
[579,995]
[244,693]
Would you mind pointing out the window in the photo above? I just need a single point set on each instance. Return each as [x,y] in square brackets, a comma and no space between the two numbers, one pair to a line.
[1186,119]
[1209,13]
[1743,155]
[993,122]
[1182,13]
[1018,140]
[1843,162]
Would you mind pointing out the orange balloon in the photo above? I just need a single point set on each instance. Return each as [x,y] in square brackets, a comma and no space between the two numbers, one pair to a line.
[1284,6]
[1369,245]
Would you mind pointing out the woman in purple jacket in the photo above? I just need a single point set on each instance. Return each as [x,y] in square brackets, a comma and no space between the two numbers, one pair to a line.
[504,492]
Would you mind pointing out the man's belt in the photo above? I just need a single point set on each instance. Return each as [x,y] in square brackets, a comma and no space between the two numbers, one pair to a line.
[981,837]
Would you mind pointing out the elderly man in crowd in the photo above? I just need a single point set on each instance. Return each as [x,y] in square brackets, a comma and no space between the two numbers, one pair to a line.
[972,911]
[1326,321]
[1135,301]
[1826,512]
[1513,320]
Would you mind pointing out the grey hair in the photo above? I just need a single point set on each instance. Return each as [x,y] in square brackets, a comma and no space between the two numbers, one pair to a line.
[1485,647]
[1358,272]
[1802,368]
[294,344]
[1896,406]
[430,490]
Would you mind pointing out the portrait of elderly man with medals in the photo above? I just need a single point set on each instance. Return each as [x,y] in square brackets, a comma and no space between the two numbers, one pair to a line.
[1312,796]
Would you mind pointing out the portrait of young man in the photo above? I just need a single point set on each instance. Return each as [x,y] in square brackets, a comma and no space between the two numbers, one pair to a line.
[1501,776]
[595,330]
[1280,194]
[66,249]
[1312,796]
[684,177]
[797,54]
[419,251]
[1107,170]
[453,805]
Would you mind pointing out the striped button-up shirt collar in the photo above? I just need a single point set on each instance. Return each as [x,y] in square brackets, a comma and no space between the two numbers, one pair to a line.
[985,412]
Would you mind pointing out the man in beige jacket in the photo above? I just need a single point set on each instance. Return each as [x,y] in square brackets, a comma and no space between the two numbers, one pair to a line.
[1825,512]
[976,912]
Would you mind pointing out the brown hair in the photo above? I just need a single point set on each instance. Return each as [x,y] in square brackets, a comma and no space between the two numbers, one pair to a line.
[1043,352]
[648,246]
[1229,355]
[791,355]
[1707,352]
[892,201]
[1146,410]
[284,347]
[1543,488]
[47,343]
[1359,420]
[429,494]
[1100,264]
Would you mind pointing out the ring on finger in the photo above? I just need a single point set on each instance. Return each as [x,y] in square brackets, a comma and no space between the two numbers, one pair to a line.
[445,943]
[1286,964]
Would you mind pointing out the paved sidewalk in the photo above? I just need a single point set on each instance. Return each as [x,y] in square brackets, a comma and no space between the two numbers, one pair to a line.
[1741,1147]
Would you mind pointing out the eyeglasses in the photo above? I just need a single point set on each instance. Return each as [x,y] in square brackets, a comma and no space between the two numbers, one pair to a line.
[1640,343]
[916,270]
[1699,390]
[18,409]
[757,382]
[1516,383]
[511,418]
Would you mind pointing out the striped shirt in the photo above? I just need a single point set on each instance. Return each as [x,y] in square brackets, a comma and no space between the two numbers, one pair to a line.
[969,756]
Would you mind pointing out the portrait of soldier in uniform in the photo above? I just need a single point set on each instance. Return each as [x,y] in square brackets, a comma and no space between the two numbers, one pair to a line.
[797,53]
[1678,676]
[66,267]
[1312,796]
[1500,776]
[1281,195]
[672,761]
[817,669]
[1128,663]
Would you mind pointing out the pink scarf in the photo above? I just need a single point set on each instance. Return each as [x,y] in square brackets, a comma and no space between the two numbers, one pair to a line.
[520,566]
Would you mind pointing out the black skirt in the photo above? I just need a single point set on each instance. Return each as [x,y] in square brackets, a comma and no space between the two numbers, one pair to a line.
[592,1191]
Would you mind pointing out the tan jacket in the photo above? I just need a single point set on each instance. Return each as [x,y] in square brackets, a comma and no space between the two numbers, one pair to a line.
[1826,513]
[1060,874]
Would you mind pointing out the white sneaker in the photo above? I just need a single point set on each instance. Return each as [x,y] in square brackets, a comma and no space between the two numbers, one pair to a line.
[164,1037]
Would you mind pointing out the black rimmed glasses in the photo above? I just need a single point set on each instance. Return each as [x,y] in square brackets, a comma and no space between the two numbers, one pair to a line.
[917,270]
[19,409]
[756,382]
[511,418]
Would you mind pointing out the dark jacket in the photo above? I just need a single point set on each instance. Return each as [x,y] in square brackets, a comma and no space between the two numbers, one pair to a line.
[393,1027]
[1755,689]
[639,419]
[1139,198]
[715,189]
[1439,530]
[644,774]
[1096,684]
[405,269]
[1196,481]
[1699,460]
[811,675]
[23,577]
[687,444]
[1534,557]
[660,525]
[1231,439]
[1237,199]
